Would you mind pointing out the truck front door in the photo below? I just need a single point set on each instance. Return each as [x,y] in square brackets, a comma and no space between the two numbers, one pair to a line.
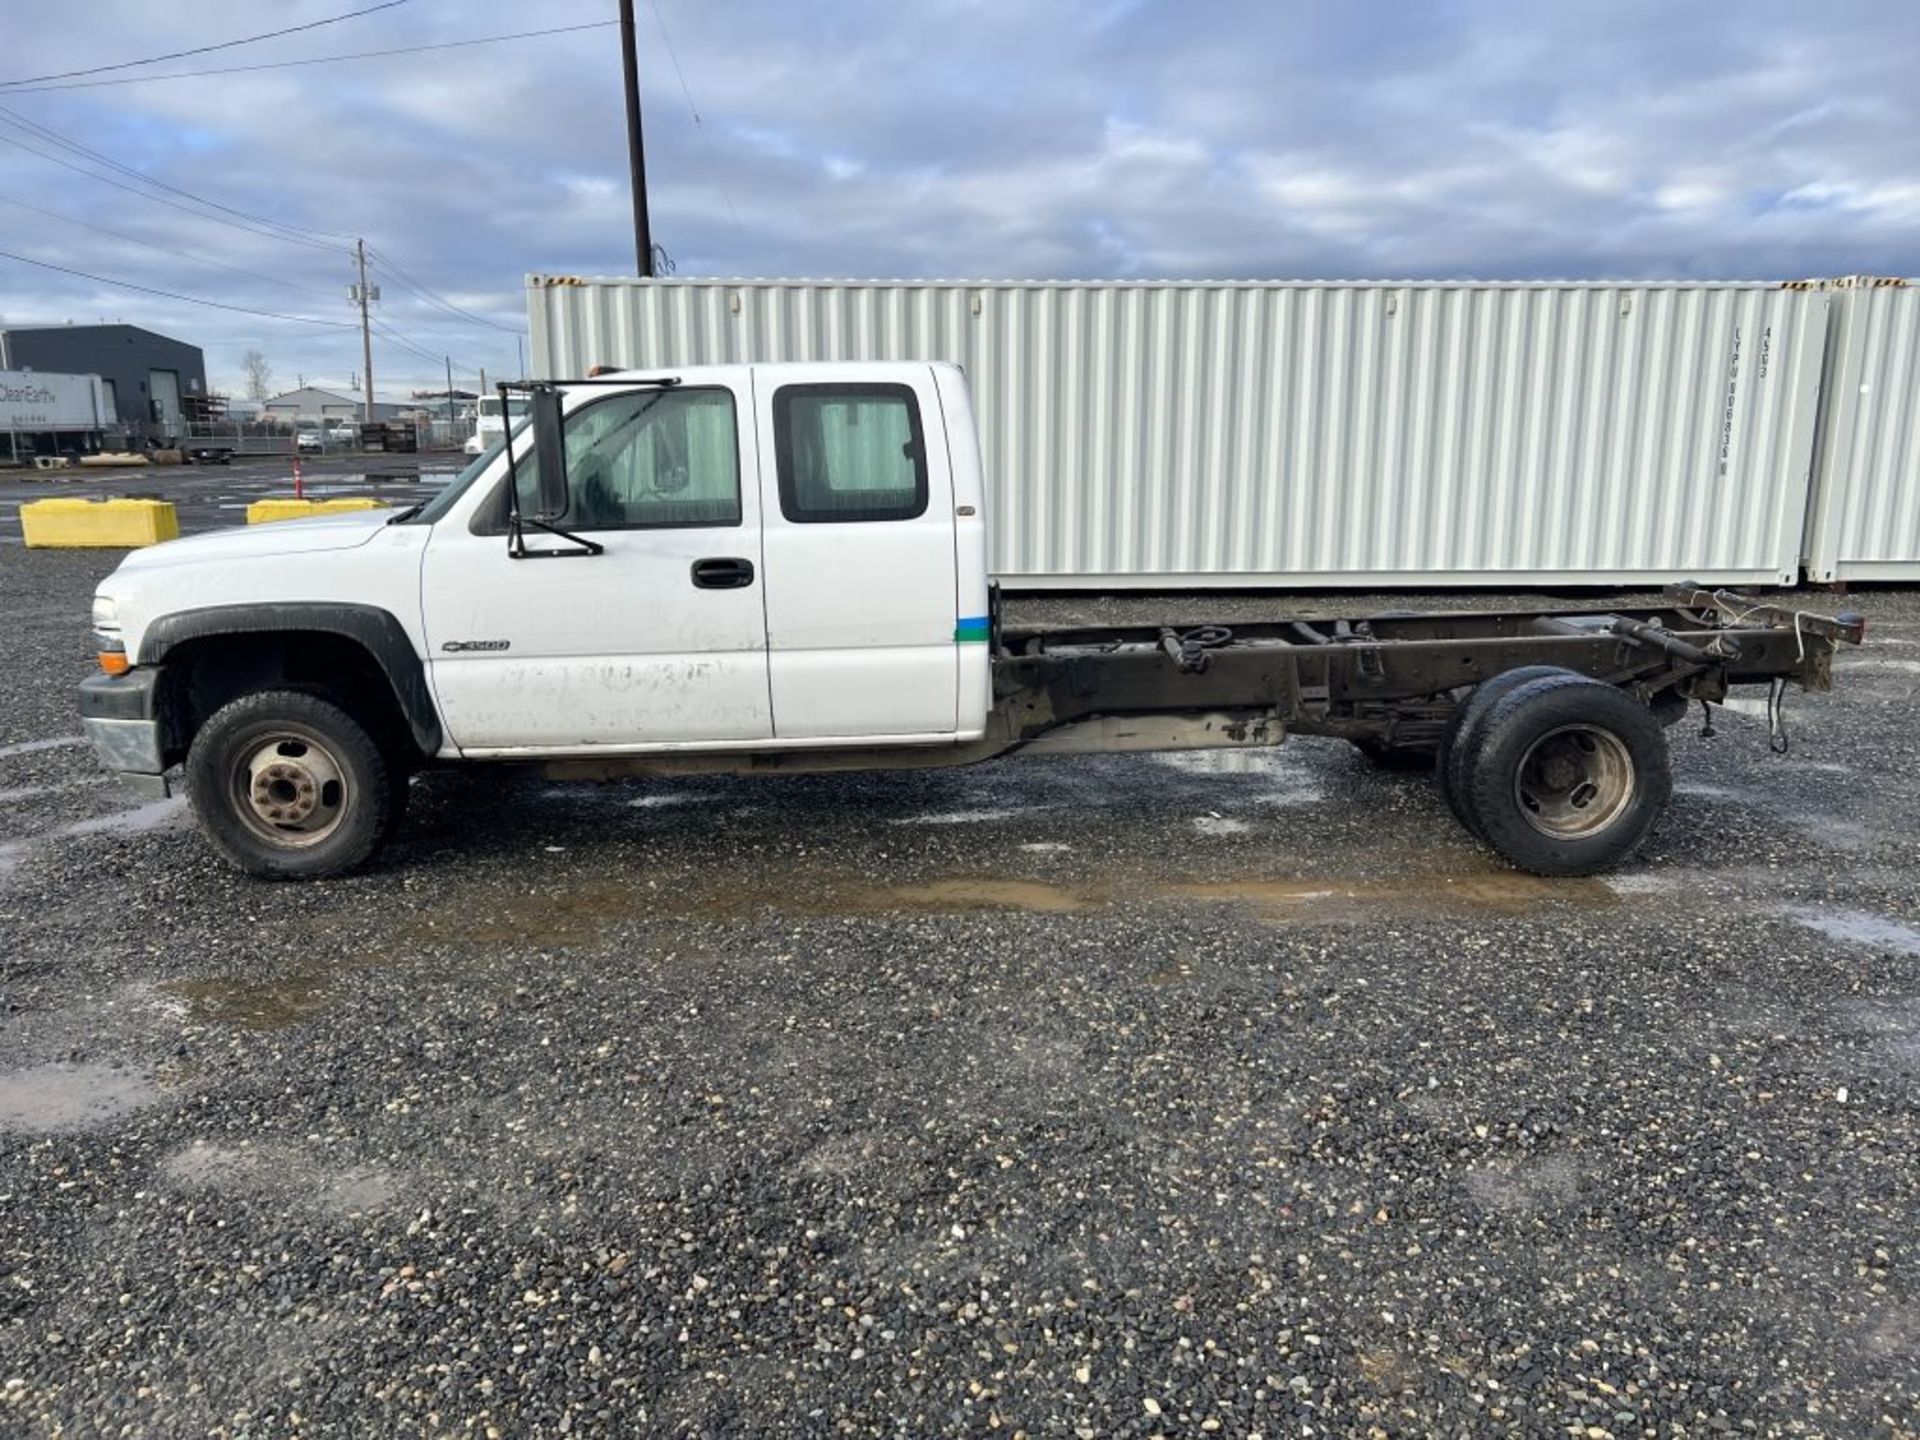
[859,543]
[659,641]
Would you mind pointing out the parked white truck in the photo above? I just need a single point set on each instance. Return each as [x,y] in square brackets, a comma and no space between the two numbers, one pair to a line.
[783,568]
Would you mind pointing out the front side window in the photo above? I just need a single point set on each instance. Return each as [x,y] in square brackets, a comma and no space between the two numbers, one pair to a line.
[645,459]
[849,453]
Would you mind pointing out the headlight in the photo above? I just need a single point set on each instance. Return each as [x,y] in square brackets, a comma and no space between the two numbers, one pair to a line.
[106,637]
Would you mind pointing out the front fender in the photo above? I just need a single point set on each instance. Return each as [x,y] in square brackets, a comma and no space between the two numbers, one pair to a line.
[380,631]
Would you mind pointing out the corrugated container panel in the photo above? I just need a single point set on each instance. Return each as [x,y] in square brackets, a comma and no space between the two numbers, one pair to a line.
[1345,434]
[1864,523]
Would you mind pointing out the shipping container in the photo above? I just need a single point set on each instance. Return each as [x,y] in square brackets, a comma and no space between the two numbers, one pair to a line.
[34,401]
[1177,435]
[1864,521]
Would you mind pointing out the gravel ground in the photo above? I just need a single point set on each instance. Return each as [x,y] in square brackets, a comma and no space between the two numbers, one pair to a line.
[1230,1096]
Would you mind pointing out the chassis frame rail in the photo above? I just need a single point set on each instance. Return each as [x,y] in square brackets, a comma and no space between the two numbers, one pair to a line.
[1395,678]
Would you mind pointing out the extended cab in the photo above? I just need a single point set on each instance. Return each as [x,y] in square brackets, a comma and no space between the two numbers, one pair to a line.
[785,567]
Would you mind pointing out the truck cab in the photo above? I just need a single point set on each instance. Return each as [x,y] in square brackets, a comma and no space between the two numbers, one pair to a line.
[733,558]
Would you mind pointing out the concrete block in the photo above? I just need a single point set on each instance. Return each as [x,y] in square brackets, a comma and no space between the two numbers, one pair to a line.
[98,524]
[263,512]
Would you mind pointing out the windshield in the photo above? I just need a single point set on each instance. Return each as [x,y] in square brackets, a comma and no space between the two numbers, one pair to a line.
[456,487]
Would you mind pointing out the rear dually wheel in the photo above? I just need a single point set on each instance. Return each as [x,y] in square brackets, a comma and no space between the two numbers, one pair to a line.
[1569,775]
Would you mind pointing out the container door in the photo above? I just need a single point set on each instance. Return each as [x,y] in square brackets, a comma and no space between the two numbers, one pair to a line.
[658,642]
[858,495]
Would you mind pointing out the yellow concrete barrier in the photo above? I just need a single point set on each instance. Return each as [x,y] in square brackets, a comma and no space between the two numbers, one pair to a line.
[98,524]
[263,512]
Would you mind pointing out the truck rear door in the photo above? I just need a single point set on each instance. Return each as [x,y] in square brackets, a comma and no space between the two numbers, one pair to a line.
[857,494]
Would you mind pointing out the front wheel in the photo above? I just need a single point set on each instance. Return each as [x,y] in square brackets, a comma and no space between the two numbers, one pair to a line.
[289,786]
[1569,776]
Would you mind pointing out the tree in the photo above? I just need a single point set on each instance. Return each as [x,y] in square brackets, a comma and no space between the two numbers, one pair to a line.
[259,375]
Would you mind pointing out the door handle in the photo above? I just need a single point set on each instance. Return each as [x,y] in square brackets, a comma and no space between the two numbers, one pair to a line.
[725,573]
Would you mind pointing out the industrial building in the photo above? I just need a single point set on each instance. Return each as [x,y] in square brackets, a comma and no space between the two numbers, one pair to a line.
[310,403]
[154,384]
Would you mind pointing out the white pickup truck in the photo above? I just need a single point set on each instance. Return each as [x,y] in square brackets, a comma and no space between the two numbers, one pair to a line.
[783,568]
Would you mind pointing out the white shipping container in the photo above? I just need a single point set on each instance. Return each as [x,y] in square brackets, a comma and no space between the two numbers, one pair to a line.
[36,402]
[1864,523]
[1177,434]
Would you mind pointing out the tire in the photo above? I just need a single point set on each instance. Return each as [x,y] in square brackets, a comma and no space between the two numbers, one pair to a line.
[1568,776]
[1463,731]
[289,786]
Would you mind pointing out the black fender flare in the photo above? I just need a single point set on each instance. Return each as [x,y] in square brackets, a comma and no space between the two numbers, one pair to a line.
[379,631]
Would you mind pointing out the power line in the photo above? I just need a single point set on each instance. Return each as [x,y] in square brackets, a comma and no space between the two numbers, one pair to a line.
[315,60]
[424,293]
[47,132]
[278,231]
[161,249]
[423,352]
[698,124]
[176,295]
[206,49]
[146,195]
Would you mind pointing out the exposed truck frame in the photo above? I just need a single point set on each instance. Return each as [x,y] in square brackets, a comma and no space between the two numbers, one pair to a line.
[298,718]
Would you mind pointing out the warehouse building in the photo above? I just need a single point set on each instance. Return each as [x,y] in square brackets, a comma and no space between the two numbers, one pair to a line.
[310,403]
[154,384]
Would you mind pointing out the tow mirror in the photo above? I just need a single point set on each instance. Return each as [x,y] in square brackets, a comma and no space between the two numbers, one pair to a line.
[550,450]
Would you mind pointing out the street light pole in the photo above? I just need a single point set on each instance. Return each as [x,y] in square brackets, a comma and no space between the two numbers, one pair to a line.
[636,143]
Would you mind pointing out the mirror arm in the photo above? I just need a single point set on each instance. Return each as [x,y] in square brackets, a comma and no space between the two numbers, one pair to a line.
[517,544]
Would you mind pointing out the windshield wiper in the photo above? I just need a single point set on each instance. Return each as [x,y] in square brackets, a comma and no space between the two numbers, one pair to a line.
[408,513]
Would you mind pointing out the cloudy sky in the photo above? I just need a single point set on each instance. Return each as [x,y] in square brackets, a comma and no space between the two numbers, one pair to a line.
[977,138]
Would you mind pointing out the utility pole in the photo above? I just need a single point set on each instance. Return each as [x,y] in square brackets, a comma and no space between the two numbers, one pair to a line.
[636,144]
[366,326]
[449,360]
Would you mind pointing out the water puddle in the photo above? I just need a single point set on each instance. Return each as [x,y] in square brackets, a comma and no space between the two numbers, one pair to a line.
[278,1171]
[1859,927]
[1700,790]
[1263,761]
[1500,891]
[961,817]
[1218,825]
[154,815]
[45,1099]
[252,1005]
[942,896]
[34,747]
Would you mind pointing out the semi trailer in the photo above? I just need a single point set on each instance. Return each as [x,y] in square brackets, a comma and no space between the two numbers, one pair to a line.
[770,569]
[48,417]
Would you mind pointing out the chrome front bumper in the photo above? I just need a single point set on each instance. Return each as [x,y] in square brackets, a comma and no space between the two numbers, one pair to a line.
[118,716]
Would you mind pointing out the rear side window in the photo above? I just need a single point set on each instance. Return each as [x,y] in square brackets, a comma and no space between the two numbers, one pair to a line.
[849,453]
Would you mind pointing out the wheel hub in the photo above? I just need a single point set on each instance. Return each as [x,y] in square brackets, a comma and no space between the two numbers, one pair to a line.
[294,791]
[1575,781]
[285,794]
